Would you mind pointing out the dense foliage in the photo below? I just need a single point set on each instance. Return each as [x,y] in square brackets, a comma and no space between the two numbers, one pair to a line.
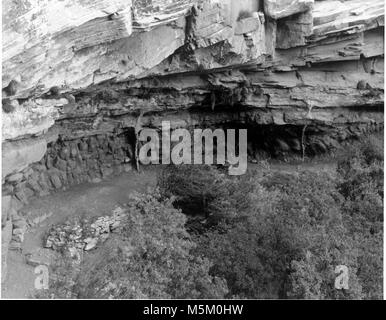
[149,258]
[205,190]
[268,234]
[290,243]
[361,184]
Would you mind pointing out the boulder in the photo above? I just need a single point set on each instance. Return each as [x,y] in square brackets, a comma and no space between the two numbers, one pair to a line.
[91,244]
[32,117]
[18,155]
[294,30]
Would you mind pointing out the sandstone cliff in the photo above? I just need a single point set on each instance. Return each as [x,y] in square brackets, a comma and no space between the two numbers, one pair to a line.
[301,75]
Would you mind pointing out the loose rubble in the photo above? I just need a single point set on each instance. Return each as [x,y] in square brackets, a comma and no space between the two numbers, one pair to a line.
[82,234]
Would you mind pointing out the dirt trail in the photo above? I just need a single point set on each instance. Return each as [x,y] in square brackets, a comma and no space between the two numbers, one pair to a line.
[93,199]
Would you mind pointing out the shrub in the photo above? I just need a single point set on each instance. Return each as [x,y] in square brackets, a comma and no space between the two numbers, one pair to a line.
[372,149]
[294,217]
[362,165]
[204,190]
[275,235]
[149,258]
[361,184]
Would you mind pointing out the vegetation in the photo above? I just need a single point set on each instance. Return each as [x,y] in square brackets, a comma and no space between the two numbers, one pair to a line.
[267,234]
[361,184]
[149,258]
[204,190]
[290,243]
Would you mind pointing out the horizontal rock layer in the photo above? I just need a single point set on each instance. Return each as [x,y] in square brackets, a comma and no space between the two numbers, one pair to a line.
[88,43]
[77,69]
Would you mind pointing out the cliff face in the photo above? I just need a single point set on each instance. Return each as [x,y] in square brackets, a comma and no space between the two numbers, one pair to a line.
[302,76]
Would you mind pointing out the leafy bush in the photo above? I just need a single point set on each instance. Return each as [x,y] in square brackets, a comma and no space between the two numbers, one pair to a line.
[361,184]
[274,235]
[266,255]
[372,149]
[360,166]
[204,190]
[295,227]
[149,258]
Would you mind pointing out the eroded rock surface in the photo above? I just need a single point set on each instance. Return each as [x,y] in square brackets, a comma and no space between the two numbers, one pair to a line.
[299,74]
[302,76]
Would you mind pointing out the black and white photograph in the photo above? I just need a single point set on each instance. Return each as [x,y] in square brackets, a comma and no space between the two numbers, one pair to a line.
[208,152]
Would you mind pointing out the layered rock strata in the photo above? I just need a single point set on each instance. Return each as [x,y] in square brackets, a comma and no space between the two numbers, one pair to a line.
[301,75]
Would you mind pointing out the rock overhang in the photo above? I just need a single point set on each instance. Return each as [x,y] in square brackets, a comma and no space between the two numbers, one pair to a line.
[94,67]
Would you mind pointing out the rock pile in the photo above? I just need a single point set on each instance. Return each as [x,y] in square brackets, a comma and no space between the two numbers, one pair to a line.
[81,234]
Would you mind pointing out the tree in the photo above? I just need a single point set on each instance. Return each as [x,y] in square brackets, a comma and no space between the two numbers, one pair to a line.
[289,244]
[361,184]
[149,258]
[204,190]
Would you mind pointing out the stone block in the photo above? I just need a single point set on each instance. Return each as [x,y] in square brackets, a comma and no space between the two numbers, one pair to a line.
[292,31]
[14,246]
[21,195]
[55,180]
[65,153]
[60,164]
[19,237]
[18,231]
[19,224]
[278,9]
[33,185]
[19,154]
[16,177]
[247,25]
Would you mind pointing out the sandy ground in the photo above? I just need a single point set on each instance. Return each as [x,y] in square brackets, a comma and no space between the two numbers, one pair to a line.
[94,199]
